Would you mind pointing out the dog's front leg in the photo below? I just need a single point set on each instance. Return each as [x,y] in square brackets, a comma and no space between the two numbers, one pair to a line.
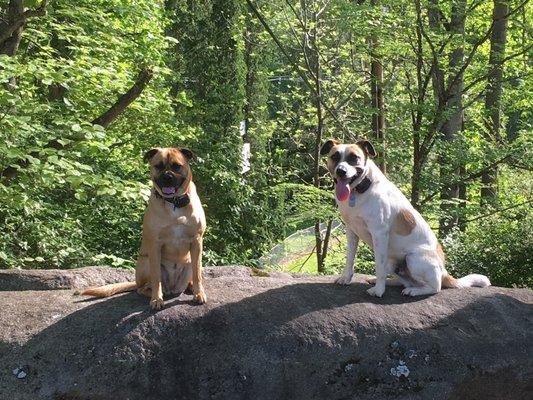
[154,257]
[196,260]
[380,243]
[353,243]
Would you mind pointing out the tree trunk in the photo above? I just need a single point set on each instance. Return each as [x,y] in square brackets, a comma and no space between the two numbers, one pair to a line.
[11,32]
[450,100]
[493,95]
[126,99]
[11,27]
[418,115]
[376,94]
[314,58]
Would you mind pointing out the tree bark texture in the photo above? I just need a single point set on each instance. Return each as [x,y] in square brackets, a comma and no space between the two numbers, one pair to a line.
[376,94]
[493,95]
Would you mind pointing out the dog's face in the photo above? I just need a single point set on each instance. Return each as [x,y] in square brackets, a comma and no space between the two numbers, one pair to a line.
[347,163]
[170,170]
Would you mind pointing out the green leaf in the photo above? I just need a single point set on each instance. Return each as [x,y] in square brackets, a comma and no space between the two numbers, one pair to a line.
[30,3]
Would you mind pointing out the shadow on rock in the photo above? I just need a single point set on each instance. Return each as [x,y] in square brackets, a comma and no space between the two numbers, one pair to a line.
[299,341]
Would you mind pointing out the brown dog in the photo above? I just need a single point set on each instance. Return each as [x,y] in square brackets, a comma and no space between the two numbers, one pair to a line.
[173,228]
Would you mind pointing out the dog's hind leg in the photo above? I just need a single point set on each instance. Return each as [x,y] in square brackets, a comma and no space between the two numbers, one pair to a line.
[145,291]
[426,272]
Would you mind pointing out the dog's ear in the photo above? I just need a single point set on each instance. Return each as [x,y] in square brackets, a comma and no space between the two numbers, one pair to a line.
[326,147]
[149,154]
[367,147]
[187,153]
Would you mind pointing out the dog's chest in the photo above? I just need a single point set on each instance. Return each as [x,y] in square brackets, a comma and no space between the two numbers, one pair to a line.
[351,210]
[177,235]
[354,218]
[179,229]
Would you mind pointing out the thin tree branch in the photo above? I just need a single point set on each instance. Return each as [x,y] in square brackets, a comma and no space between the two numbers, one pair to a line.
[495,211]
[125,100]
[294,65]
[104,120]
[467,178]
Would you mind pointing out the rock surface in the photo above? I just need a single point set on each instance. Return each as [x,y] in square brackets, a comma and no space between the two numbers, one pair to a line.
[277,337]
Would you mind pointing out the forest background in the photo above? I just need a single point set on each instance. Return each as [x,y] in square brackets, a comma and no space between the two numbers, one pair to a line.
[254,87]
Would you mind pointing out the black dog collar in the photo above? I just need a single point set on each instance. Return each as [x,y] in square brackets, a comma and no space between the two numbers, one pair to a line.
[178,202]
[363,185]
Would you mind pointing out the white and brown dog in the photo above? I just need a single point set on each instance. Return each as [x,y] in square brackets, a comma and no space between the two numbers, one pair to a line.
[170,259]
[375,211]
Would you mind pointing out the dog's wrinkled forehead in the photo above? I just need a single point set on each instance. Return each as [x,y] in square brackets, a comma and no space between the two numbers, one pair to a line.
[169,156]
[165,157]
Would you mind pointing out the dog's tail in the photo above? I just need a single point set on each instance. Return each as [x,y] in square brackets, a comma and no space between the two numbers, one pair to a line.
[110,290]
[477,280]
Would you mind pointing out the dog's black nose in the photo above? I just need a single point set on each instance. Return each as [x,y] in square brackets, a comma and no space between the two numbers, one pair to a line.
[167,177]
[341,171]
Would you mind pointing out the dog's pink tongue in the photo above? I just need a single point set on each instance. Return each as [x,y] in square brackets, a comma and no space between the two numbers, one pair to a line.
[168,190]
[342,190]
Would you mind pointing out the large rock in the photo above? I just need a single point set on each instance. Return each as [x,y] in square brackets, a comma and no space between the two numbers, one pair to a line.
[278,337]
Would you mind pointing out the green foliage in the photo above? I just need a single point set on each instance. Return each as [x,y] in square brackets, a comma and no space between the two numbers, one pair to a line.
[81,189]
[499,247]
[336,259]
[80,204]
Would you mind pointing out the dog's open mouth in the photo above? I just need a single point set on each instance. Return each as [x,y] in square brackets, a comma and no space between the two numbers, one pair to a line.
[342,188]
[168,190]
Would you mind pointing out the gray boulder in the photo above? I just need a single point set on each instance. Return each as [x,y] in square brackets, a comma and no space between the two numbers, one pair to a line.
[281,336]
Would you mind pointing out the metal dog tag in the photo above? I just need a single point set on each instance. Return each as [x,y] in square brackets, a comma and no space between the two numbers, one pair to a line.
[351,203]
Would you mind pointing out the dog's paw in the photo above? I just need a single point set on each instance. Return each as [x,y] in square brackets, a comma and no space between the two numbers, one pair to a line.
[156,304]
[200,297]
[344,279]
[376,291]
[371,281]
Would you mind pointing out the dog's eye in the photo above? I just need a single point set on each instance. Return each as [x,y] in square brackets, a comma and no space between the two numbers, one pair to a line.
[160,166]
[352,159]
[336,156]
[175,167]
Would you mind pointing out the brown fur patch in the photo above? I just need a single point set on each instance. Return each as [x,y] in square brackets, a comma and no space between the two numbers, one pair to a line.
[332,164]
[449,281]
[404,223]
[367,147]
[440,254]
[326,147]
[356,150]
